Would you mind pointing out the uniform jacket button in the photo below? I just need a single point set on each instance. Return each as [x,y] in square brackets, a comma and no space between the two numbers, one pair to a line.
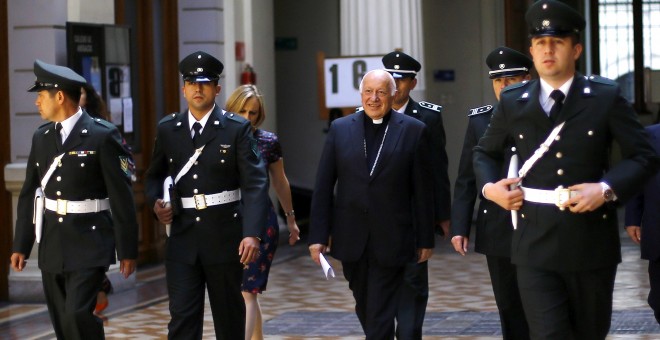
[195,191]
[59,178]
[198,219]
[560,172]
[58,193]
[558,155]
[61,219]
[485,211]
[195,176]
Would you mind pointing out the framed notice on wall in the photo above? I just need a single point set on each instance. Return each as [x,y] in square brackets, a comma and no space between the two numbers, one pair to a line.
[339,81]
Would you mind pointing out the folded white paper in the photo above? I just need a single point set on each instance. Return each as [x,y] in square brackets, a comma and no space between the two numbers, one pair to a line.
[513,173]
[327,268]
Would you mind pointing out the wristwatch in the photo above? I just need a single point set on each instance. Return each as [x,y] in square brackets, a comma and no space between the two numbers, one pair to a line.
[608,194]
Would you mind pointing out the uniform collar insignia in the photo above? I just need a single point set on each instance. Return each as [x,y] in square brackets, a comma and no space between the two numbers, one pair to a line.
[225,146]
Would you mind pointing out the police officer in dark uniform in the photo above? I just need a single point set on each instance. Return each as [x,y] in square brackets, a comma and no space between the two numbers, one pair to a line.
[219,204]
[566,246]
[415,291]
[494,229]
[77,172]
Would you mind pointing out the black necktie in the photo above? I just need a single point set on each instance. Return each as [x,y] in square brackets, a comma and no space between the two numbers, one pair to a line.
[197,127]
[558,96]
[58,135]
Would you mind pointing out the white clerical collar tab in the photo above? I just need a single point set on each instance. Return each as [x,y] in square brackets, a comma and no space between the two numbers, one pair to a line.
[378,121]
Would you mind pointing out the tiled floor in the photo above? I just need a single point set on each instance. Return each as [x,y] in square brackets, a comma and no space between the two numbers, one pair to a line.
[301,304]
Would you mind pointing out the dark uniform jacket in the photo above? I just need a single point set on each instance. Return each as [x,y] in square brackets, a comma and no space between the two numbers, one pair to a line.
[596,114]
[431,115]
[494,229]
[95,166]
[229,161]
[644,209]
[389,212]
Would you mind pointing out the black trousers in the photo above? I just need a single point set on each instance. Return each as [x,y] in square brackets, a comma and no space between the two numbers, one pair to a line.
[507,297]
[376,291]
[186,285]
[413,301]
[71,298]
[567,305]
[654,293]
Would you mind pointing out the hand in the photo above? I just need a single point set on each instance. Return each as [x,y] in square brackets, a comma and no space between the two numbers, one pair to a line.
[248,250]
[589,198]
[501,193]
[424,254]
[460,244]
[17,262]
[127,267]
[444,228]
[163,211]
[635,233]
[294,233]
[315,250]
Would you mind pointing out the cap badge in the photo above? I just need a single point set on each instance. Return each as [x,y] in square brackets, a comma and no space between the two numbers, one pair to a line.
[396,67]
[545,6]
[546,23]
[397,55]
[199,56]
[502,66]
[501,52]
[199,69]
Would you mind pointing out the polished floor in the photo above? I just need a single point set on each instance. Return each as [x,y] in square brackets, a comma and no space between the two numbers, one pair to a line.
[301,304]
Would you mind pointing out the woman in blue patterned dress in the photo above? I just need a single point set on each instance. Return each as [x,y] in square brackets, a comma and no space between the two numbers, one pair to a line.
[248,102]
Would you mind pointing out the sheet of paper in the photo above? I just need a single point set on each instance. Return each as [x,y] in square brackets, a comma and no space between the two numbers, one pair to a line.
[327,268]
[128,114]
[114,105]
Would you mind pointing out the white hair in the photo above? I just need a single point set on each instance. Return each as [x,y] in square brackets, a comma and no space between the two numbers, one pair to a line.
[389,76]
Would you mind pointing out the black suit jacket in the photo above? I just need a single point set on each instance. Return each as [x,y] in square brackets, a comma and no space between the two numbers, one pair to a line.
[494,229]
[229,161]
[391,210]
[596,115]
[431,115]
[644,209]
[95,166]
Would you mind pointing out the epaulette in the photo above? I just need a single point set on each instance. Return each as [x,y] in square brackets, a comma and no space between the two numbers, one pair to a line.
[103,123]
[235,117]
[168,118]
[480,110]
[515,86]
[431,106]
[601,80]
[359,108]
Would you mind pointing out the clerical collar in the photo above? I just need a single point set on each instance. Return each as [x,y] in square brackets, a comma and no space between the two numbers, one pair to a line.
[381,120]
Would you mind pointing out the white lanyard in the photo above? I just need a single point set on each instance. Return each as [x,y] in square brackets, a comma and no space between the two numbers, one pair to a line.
[50,171]
[543,148]
[189,165]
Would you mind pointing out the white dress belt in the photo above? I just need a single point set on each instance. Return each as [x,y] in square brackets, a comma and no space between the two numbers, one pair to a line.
[557,196]
[63,207]
[202,201]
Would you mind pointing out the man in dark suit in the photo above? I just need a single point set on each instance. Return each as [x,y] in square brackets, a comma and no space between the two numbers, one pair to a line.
[494,229]
[415,290]
[381,217]
[643,225]
[215,165]
[77,172]
[566,246]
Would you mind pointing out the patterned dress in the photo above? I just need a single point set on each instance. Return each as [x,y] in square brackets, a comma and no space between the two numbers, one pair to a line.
[255,274]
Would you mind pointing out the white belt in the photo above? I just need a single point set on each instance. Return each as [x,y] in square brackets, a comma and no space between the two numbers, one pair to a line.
[557,197]
[202,201]
[63,207]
